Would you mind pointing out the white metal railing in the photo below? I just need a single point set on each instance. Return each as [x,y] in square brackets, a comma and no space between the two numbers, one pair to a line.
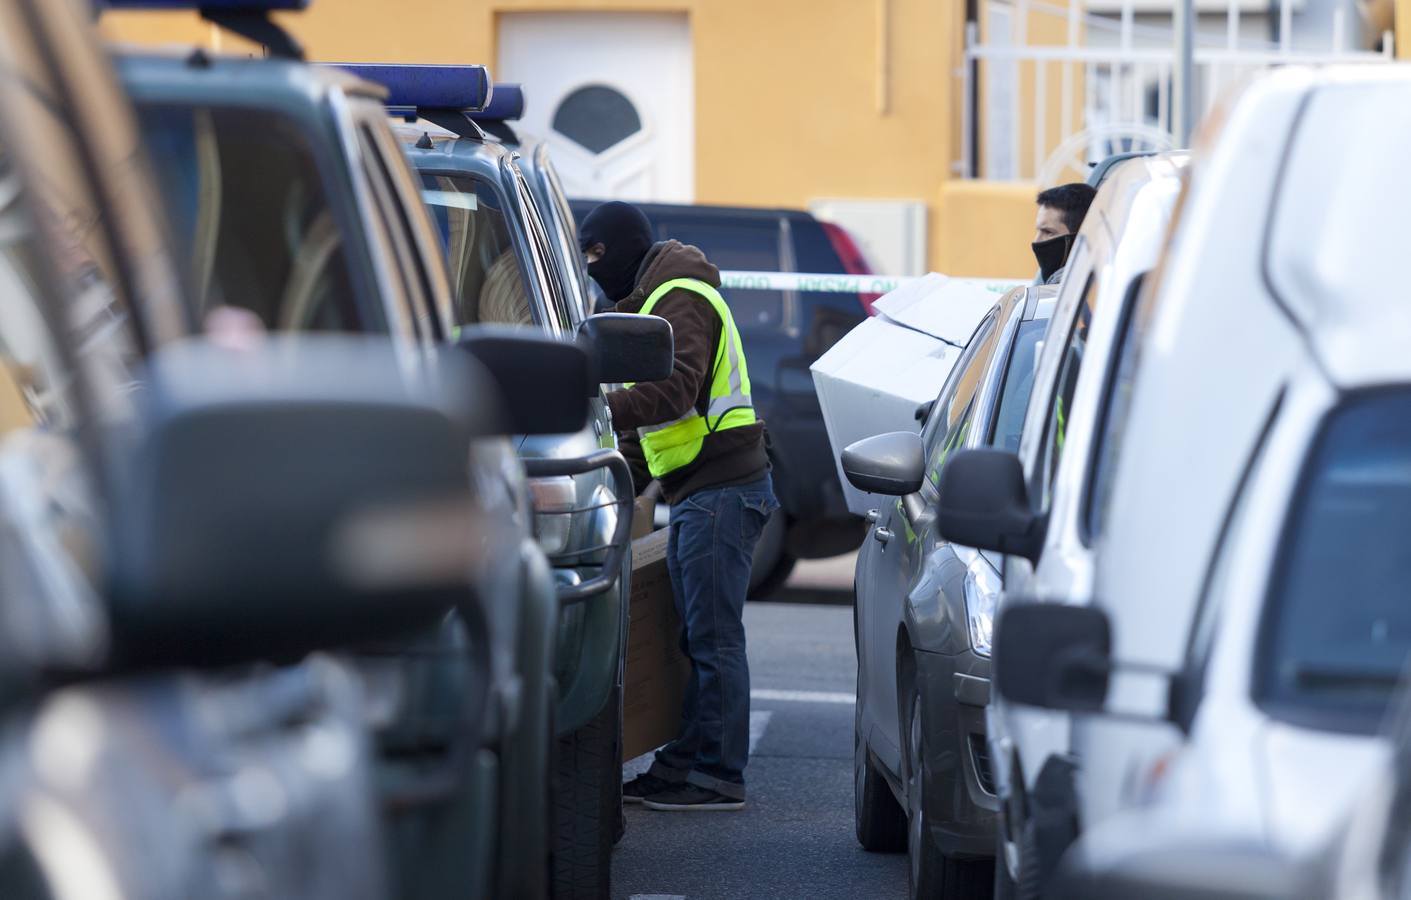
[1110,83]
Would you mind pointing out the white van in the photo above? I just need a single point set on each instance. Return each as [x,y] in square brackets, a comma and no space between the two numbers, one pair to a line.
[1251,617]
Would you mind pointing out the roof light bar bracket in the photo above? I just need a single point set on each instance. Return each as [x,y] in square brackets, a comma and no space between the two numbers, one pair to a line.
[258,27]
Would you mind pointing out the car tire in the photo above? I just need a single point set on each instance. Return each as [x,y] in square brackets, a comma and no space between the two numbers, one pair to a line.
[588,817]
[930,872]
[879,820]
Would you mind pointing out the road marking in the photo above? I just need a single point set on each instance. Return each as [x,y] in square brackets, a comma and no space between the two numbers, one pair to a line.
[759,721]
[657,897]
[803,696]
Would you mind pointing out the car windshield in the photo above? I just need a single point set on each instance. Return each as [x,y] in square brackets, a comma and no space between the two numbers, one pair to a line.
[487,278]
[1338,627]
[1018,383]
[244,192]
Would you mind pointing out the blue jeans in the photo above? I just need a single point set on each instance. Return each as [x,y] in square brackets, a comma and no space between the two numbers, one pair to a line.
[713,536]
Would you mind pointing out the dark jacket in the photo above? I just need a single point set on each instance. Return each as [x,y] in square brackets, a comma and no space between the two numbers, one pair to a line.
[728,457]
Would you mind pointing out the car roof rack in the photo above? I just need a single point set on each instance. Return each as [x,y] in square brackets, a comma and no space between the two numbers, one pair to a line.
[449,96]
[246,18]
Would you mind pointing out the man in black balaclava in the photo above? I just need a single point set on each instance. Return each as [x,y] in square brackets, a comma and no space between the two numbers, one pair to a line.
[615,238]
[1061,212]
[696,433]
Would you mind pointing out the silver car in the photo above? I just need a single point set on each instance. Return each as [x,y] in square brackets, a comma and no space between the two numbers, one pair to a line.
[924,615]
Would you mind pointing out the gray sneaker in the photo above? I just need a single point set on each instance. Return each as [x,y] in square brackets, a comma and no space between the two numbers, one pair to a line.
[643,786]
[688,798]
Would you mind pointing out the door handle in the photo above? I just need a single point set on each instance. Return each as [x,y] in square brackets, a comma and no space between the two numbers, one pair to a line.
[882,535]
[872,516]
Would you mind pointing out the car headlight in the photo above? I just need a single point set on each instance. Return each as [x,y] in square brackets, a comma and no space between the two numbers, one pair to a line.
[554,499]
[982,590]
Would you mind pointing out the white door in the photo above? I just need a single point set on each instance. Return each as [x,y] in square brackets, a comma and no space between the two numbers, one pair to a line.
[614,95]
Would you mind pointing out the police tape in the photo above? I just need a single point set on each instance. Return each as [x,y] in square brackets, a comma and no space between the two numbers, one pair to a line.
[838,284]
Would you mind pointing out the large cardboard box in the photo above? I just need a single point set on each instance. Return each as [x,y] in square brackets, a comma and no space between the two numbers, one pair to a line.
[883,371]
[655,679]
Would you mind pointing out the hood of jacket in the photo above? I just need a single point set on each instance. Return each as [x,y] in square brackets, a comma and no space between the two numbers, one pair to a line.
[666,261]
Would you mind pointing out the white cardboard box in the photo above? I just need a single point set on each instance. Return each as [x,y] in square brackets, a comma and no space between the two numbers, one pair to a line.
[876,378]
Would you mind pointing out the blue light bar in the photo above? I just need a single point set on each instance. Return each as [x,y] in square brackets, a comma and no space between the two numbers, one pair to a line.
[216,6]
[463,88]
[506,104]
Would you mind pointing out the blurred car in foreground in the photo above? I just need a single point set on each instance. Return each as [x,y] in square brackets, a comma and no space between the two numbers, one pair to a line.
[1249,624]
[1051,554]
[924,614]
[785,331]
[299,210]
[177,538]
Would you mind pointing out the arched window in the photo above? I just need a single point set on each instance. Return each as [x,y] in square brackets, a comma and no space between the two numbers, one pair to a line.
[597,117]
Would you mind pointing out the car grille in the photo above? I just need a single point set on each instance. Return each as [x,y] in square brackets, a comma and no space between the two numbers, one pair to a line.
[980,755]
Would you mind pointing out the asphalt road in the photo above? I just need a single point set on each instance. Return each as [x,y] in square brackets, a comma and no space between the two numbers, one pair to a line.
[795,836]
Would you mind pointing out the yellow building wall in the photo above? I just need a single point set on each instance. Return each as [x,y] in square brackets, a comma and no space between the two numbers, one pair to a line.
[795,99]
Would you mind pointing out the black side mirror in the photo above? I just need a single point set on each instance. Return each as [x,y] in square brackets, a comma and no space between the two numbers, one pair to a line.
[1053,655]
[309,493]
[892,464]
[627,348]
[543,383]
[985,504]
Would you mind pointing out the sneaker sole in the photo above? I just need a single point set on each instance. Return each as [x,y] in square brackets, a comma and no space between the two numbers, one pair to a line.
[627,799]
[694,807]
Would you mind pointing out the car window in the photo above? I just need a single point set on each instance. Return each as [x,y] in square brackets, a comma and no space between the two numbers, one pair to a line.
[1337,629]
[951,418]
[740,245]
[249,208]
[1018,383]
[488,283]
[412,305]
[1116,407]
[1056,424]
[560,320]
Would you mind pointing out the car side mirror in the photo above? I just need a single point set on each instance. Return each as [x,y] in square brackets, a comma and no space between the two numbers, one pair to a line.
[627,348]
[543,383]
[1053,655]
[985,504]
[309,493]
[892,464]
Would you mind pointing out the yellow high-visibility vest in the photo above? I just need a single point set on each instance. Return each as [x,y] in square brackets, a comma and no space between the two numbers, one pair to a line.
[672,445]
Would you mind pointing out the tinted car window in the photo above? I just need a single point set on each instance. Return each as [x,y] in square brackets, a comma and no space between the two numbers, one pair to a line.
[1338,624]
[1018,382]
[951,419]
[741,245]
[246,198]
[487,280]
[1056,428]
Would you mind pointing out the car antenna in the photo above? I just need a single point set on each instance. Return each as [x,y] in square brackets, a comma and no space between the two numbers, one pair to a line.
[424,142]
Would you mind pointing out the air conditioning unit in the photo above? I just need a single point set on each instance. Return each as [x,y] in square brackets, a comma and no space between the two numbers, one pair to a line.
[890,233]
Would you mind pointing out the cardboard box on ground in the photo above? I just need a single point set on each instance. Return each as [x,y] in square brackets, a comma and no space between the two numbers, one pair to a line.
[654,683]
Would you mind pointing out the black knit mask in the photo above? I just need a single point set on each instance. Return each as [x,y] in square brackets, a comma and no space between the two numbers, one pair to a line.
[626,235]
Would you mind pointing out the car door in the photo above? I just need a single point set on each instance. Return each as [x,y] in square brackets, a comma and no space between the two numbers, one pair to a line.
[892,554]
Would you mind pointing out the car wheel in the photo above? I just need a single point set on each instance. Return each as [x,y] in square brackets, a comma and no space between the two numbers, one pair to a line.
[879,820]
[588,805]
[932,873]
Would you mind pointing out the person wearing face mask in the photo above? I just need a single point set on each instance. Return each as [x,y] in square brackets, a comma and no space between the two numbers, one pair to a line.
[1061,212]
[697,434]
